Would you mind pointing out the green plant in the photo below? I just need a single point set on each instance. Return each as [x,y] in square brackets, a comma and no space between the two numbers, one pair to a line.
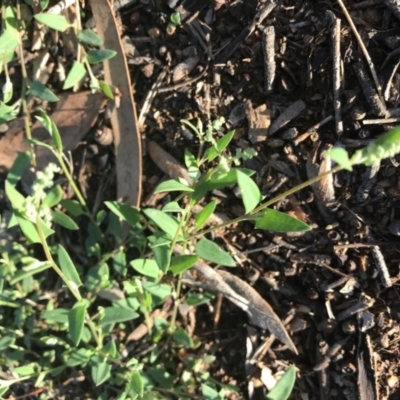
[67,303]
[175,21]
[283,389]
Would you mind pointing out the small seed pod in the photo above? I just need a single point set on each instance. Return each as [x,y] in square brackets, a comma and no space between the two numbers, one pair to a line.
[104,136]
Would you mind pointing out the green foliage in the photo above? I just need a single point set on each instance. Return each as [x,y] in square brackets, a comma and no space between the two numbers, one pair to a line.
[284,387]
[71,305]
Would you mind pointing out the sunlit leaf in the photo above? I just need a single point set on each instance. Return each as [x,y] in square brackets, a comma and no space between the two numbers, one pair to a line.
[210,251]
[146,267]
[87,36]
[96,56]
[202,217]
[76,321]
[68,267]
[56,22]
[76,73]
[283,389]
[277,221]
[63,220]
[221,145]
[172,185]
[250,192]
[113,315]
[340,156]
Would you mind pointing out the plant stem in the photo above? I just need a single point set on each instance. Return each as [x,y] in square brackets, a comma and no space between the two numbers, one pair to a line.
[75,188]
[50,259]
[262,206]
[25,109]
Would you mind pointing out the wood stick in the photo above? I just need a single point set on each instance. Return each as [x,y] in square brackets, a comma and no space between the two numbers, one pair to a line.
[268,42]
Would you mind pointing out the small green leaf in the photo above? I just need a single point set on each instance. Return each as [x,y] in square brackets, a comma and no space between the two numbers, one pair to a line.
[73,207]
[340,156]
[58,315]
[220,146]
[182,263]
[172,185]
[146,267]
[87,36]
[29,270]
[161,251]
[173,207]
[53,197]
[77,73]
[176,18]
[135,385]
[76,321]
[37,89]
[16,198]
[8,113]
[68,267]
[100,372]
[161,376]
[283,389]
[277,221]
[19,166]
[56,22]
[51,127]
[62,219]
[78,357]
[8,43]
[181,337]
[114,315]
[106,89]
[127,213]
[30,230]
[251,195]
[202,217]
[159,291]
[164,221]
[210,251]
[96,56]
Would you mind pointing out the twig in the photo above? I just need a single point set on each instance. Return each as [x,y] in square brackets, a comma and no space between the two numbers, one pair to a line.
[373,98]
[264,10]
[60,6]
[381,121]
[381,266]
[362,46]
[268,42]
[336,72]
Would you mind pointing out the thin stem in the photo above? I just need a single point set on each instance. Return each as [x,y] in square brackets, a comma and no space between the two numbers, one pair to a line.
[92,329]
[50,259]
[267,203]
[24,103]
[75,187]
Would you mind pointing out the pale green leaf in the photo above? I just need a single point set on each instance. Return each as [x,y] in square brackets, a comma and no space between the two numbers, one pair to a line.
[210,251]
[180,264]
[53,197]
[87,36]
[277,221]
[76,322]
[96,56]
[250,192]
[63,220]
[284,387]
[100,372]
[172,185]
[202,217]
[114,315]
[146,267]
[220,146]
[340,156]
[68,267]
[56,22]
[76,73]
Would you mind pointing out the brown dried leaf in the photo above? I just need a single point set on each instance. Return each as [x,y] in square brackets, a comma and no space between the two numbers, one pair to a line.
[127,139]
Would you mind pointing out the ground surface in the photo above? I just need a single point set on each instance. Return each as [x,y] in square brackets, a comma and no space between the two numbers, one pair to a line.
[341,312]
